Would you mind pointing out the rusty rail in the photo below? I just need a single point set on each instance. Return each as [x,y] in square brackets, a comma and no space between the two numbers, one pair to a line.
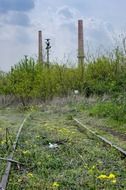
[4,181]
[100,137]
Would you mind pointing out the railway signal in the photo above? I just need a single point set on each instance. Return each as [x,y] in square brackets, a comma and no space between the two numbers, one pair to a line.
[48,47]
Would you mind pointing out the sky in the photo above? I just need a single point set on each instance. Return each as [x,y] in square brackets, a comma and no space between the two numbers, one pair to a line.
[20,20]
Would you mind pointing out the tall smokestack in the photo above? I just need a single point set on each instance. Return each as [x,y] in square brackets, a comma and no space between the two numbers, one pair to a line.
[40,55]
[80,43]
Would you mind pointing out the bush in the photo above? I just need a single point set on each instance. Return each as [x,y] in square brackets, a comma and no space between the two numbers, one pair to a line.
[112,110]
[29,80]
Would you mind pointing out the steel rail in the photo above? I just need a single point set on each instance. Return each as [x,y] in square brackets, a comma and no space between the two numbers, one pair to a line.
[10,160]
[5,177]
[100,137]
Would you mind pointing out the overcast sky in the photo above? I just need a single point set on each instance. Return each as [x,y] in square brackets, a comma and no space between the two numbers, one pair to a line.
[20,21]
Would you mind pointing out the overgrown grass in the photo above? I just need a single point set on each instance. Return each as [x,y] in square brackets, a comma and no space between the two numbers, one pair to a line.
[109,109]
[78,163]
[10,120]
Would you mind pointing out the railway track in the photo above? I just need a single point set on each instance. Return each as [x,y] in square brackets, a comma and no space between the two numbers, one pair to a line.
[100,137]
[5,177]
[4,181]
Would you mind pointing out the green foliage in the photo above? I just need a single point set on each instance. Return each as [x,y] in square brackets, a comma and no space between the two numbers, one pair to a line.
[100,75]
[113,110]
[21,80]
[29,80]
[3,82]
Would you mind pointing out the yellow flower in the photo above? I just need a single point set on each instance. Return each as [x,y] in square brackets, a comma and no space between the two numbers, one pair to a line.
[55,184]
[111,176]
[102,176]
[3,142]
[30,174]
[91,171]
[114,181]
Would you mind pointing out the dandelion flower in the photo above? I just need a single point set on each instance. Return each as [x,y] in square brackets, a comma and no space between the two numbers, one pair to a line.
[114,181]
[30,174]
[111,176]
[3,142]
[102,176]
[55,184]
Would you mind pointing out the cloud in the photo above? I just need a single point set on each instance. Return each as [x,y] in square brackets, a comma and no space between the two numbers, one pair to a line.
[65,12]
[17,18]
[15,12]
[15,42]
[58,21]
[61,26]
[16,5]
[23,37]
[98,32]
[62,30]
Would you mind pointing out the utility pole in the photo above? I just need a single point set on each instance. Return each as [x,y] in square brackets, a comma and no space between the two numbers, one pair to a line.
[47,49]
[80,44]
[40,55]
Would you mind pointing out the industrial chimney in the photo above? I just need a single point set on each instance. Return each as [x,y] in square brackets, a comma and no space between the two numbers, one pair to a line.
[40,54]
[80,44]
